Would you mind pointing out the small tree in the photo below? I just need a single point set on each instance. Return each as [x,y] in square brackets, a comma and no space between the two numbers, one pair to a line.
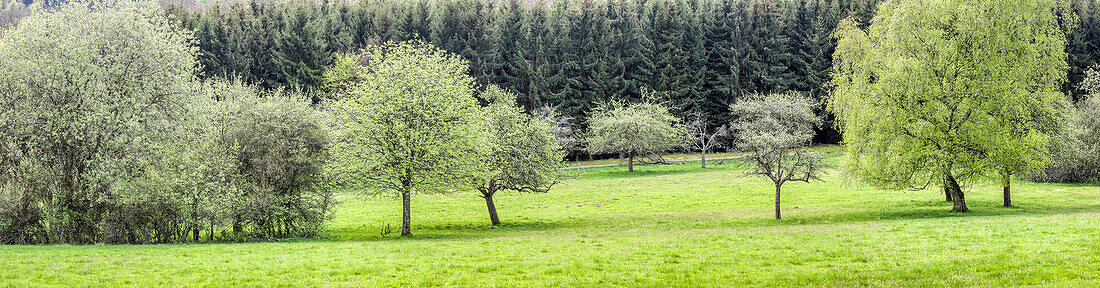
[562,127]
[633,130]
[701,138]
[523,154]
[775,130]
[411,125]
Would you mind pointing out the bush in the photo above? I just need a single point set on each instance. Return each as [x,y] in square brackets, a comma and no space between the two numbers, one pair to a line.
[250,165]
[1077,149]
[91,92]
[282,145]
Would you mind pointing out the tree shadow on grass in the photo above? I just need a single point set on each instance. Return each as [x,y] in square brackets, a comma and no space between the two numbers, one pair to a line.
[652,170]
[441,232]
[666,220]
[918,210]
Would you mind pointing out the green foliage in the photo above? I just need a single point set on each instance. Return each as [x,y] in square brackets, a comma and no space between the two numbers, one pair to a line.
[523,153]
[699,54]
[280,143]
[11,11]
[936,90]
[1076,148]
[411,125]
[412,118]
[109,138]
[633,130]
[91,92]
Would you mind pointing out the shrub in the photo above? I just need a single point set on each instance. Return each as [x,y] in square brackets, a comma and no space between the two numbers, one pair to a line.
[1077,149]
[90,94]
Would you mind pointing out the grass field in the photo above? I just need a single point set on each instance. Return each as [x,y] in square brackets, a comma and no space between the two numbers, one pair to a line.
[664,225]
[712,158]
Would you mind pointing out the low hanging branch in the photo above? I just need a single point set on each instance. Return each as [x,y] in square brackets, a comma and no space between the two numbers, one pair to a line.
[523,154]
[634,130]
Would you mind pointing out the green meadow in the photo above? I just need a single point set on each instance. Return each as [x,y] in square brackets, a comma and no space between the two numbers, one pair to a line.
[662,226]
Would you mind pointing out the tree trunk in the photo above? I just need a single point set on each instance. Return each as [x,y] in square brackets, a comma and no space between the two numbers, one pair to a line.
[957,197]
[630,163]
[1007,189]
[777,216]
[406,213]
[946,190]
[704,158]
[492,208]
[237,227]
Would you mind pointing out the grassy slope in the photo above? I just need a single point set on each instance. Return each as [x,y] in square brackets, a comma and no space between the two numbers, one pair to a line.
[665,225]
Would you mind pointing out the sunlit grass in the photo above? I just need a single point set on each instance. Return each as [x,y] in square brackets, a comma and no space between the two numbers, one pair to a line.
[664,225]
[711,157]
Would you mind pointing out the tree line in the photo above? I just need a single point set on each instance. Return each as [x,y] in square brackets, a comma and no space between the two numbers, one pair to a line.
[700,55]
[571,55]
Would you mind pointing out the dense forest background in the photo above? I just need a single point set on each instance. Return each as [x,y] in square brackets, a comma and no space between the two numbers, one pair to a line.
[698,55]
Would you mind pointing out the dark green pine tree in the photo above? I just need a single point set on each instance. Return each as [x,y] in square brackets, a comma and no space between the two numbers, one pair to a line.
[671,81]
[414,19]
[593,33]
[697,71]
[724,26]
[563,80]
[1082,45]
[764,67]
[448,30]
[613,68]
[537,56]
[479,48]
[639,52]
[508,65]
[338,20]
[302,55]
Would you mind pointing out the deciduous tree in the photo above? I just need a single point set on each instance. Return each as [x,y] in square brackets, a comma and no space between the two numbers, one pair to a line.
[90,92]
[924,94]
[775,130]
[703,138]
[523,155]
[411,125]
[633,130]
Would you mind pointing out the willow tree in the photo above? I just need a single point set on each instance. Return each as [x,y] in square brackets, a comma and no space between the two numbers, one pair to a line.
[522,154]
[409,125]
[923,94]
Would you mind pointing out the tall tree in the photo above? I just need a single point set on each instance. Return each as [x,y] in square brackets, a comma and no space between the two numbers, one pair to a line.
[411,125]
[91,93]
[924,93]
